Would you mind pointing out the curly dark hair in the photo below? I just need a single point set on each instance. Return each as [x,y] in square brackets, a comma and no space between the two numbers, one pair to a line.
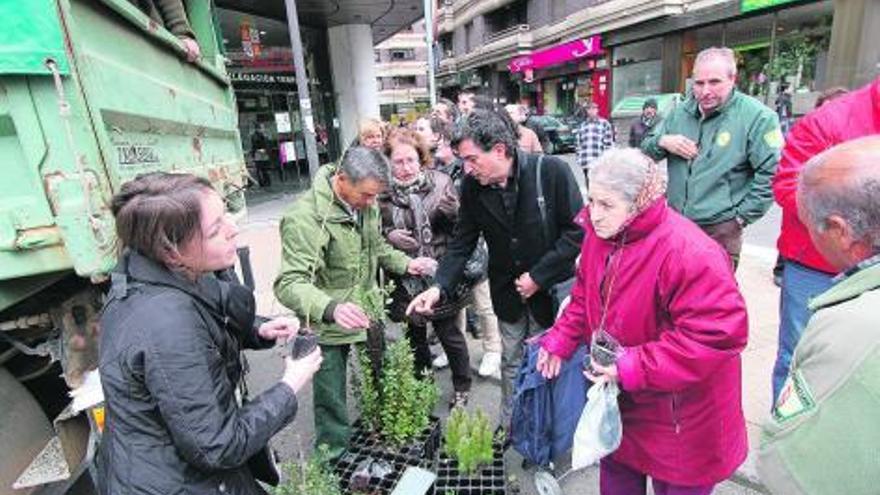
[486,128]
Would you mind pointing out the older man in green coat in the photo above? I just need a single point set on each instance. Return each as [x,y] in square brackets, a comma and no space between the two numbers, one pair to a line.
[721,149]
[332,250]
[823,436]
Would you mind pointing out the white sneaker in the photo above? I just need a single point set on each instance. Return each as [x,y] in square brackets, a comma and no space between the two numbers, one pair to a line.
[490,364]
[440,361]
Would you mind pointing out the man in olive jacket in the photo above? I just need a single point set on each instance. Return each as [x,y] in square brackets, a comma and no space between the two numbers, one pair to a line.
[721,149]
[332,249]
[823,435]
[527,255]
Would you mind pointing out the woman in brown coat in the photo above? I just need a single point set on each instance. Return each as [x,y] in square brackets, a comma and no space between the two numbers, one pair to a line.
[419,212]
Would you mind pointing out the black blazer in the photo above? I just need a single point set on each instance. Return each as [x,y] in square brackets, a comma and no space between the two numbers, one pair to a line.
[519,246]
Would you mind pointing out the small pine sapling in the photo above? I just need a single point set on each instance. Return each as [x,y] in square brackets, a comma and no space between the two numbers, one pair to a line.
[468,440]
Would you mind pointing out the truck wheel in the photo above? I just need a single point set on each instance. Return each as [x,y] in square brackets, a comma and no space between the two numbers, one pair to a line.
[24,431]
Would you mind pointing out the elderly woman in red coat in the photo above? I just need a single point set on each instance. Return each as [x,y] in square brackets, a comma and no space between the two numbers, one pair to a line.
[666,292]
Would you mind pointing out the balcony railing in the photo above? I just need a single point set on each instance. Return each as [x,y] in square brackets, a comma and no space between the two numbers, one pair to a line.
[510,31]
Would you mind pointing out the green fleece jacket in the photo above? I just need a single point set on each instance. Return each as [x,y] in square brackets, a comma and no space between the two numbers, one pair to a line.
[739,148]
[824,434]
[328,256]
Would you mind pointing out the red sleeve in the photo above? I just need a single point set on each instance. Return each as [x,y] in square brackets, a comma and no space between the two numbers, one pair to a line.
[805,140]
[571,328]
[709,325]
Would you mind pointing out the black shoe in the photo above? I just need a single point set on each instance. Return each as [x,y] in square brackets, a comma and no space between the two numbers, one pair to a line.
[459,399]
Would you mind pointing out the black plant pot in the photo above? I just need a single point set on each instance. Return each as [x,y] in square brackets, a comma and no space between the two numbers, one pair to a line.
[348,464]
[422,447]
[489,480]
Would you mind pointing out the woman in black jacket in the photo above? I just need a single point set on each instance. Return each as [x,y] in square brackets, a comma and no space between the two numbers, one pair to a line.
[171,337]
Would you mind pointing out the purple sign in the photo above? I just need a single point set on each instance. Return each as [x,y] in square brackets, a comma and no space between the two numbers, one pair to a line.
[558,54]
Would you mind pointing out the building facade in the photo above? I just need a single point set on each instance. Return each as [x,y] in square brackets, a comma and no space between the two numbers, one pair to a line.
[552,54]
[401,74]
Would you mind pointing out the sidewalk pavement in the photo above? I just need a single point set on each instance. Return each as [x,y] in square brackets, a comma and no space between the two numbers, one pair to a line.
[754,275]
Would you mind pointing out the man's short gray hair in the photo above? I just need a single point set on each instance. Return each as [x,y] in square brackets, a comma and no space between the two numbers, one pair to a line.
[359,163]
[724,54]
[625,170]
[855,199]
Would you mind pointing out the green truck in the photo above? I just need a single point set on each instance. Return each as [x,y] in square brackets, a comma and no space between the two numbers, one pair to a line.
[92,93]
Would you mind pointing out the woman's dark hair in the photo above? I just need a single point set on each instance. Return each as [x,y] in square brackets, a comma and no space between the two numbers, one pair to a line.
[451,107]
[158,212]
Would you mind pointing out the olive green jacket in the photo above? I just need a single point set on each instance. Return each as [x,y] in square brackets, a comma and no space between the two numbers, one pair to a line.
[329,257]
[739,148]
[824,435]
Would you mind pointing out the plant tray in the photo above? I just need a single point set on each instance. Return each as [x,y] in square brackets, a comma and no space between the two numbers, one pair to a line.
[490,480]
[424,446]
[348,463]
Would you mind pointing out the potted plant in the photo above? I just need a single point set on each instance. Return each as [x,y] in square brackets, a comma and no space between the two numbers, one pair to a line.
[471,460]
[396,407]
[313,477]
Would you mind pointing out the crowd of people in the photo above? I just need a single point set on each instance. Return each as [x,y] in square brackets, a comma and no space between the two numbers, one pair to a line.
[463,209]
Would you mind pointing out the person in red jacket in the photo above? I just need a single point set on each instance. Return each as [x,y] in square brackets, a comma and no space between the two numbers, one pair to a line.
[666,291]
[806,272]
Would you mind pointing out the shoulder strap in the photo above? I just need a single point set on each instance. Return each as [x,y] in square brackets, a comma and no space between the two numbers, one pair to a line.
[542,203]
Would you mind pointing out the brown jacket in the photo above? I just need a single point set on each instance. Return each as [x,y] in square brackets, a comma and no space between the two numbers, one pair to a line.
[440,203]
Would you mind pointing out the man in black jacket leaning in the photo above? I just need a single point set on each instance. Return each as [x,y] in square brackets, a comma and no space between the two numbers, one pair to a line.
[499,199]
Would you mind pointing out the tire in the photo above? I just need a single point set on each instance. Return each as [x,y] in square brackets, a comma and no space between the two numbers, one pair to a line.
[24,431]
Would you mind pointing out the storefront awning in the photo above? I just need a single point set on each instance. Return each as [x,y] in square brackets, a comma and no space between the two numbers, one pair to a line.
[566,52]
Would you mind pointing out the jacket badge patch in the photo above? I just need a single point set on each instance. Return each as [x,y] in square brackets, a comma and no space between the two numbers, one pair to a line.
[774,138]
[723,139]
[795,399]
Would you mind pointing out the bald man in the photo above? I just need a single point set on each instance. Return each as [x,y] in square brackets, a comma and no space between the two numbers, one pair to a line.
[824,434]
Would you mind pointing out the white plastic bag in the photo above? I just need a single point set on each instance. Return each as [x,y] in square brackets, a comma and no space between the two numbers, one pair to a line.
[599,430]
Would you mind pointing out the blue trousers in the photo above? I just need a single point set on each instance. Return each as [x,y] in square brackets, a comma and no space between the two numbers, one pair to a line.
[799,285]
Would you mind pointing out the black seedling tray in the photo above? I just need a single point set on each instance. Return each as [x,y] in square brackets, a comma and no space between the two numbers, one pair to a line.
[423,447]
[490,480]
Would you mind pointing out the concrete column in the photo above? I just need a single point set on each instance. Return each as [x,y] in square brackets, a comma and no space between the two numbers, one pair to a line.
[354,77]
[853,57]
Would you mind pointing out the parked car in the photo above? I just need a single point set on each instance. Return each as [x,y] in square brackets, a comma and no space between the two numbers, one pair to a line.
[559,135]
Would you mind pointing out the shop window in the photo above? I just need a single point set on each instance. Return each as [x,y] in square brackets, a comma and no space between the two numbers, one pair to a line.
[636,79]
[638,52]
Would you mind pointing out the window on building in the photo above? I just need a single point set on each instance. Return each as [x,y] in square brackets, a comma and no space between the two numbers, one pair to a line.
[404,81]
[399,54]
[445,42]
[377,56]
[508,17]
[468,37]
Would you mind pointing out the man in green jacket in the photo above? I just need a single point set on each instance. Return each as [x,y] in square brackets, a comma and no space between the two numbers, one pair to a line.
[823,436]
[721,149]
[332,249]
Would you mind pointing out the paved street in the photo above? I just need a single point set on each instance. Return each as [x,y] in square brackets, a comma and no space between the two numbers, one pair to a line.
[260,232]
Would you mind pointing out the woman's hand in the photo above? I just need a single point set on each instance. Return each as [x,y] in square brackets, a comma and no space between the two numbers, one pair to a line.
[548,364]
[598,374]
[298,373]
[280,329]
[422,266]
